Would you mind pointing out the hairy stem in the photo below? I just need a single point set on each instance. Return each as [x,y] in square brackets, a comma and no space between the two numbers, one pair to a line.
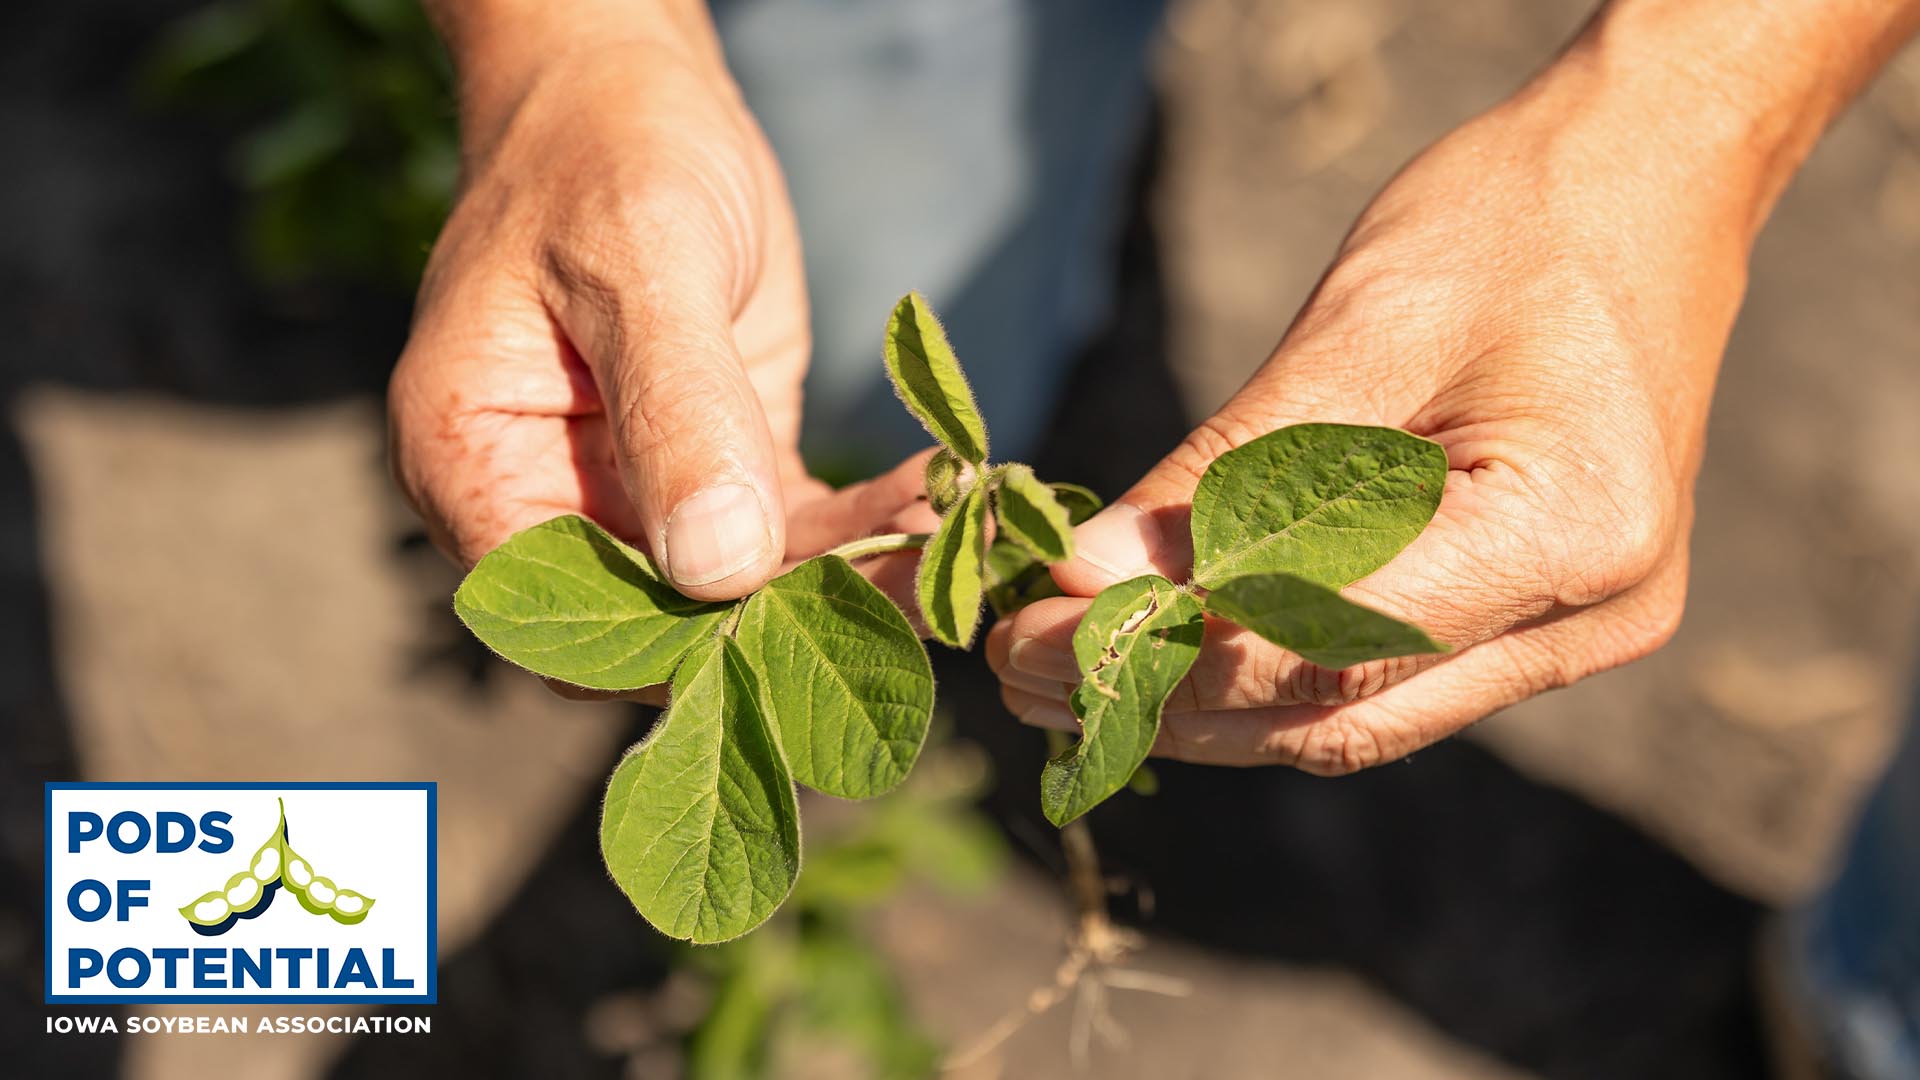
[885,544]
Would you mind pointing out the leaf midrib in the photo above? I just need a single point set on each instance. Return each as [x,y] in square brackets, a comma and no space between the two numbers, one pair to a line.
[1229,559]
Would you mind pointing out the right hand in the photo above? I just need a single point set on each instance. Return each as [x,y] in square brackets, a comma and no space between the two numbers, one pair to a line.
[614,323]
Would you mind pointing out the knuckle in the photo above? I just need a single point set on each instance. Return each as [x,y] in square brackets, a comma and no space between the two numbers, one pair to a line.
[1339,747]
[1312,684]
[1626,536]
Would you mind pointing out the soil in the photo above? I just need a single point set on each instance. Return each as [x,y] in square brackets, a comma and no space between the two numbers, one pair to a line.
[204,572]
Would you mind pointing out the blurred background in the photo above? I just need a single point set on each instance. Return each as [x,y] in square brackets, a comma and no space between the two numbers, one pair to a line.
[213,219]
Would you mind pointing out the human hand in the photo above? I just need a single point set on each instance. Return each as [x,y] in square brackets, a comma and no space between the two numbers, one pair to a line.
[1554,320]
[614,321]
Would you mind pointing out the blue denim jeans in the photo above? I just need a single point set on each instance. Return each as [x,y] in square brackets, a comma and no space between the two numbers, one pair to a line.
[1856,947]
[976,150]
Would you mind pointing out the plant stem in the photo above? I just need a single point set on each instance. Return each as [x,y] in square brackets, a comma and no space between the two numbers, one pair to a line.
[885,544]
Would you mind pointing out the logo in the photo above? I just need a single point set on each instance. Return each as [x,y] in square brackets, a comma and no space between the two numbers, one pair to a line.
[321,893]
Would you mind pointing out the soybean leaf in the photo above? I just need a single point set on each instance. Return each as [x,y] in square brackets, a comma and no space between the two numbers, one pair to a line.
[849,687]
[1014,577]
[1316,622]
[929,380]
[1328,502]
[699,827]
[1081,503]
[1030,516]
[952,571]
[568,601]
[1133,646]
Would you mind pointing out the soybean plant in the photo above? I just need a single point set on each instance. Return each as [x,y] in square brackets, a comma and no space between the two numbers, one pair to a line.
[818,678]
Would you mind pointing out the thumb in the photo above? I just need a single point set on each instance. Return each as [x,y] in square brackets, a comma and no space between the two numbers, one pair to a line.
[1148,530]
[690,438]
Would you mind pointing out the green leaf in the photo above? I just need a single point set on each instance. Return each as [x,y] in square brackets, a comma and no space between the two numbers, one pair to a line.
[1327,502]
[700,828]
[929,380]
[1031,516]
[1081,503]
[952,570]
[1015,578]
[849,687]
[1318,623]
[568,601]
[1133,646]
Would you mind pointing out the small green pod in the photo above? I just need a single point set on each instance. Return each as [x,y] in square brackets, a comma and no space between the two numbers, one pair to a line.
[350,907]
[210,910]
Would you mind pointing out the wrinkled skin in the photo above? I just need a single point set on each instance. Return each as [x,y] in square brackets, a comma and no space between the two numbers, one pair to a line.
[1554,327]
[614,318]
[1547,293]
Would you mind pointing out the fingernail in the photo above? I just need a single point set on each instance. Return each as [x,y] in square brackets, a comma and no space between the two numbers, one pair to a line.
[1036,657]
[714,534]
[1050,716]
[1119,541]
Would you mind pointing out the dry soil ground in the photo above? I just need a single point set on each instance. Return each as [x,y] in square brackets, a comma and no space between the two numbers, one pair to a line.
[206,576]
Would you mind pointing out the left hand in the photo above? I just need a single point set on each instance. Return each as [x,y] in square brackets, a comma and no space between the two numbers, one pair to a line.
[1554,321]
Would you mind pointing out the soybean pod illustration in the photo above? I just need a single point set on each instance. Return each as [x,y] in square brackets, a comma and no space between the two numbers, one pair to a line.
[319,894]
[250,892]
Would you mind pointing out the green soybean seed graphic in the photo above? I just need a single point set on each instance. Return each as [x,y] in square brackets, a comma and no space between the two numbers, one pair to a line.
[275,862]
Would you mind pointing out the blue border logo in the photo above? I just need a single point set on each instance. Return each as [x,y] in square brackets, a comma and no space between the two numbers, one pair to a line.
[432,871]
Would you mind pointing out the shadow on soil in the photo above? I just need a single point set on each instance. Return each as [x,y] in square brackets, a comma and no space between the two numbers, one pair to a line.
[1514,916]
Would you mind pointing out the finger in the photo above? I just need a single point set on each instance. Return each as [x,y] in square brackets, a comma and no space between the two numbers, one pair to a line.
[1437,703]
[690,437]
[493,419]
[1036,711]
[894,501]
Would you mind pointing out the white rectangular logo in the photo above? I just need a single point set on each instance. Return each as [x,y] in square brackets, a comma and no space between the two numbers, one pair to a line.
[245,892]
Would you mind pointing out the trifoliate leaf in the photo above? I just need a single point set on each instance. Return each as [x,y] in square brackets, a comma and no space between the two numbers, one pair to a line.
[699,827]
[1322,626]
[1327,502]
[566,600]
[848,684]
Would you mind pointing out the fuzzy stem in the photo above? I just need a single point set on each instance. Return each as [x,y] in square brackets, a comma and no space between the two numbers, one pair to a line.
[885,544]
